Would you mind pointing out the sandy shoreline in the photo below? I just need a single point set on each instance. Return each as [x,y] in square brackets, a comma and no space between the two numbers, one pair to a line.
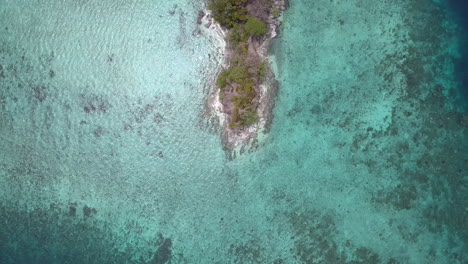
[237,141]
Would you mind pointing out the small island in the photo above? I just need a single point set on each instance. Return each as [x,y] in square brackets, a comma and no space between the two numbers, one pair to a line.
[245,86]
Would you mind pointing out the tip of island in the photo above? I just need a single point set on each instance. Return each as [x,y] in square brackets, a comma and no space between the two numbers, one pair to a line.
[244,87]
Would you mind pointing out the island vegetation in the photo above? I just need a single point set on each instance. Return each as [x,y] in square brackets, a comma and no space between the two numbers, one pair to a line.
[246,22]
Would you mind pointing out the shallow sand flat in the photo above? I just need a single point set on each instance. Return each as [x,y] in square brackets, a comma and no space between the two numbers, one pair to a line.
[106,156]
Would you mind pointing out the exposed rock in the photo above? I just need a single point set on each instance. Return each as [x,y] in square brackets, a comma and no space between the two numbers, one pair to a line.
[201,14]
[266,89]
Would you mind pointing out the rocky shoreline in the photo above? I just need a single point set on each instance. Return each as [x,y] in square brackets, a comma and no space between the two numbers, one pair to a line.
[240,139]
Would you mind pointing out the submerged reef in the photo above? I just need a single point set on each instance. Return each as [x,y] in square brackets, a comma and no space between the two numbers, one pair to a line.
[245,86]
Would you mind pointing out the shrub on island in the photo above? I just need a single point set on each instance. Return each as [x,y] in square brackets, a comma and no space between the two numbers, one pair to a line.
[228,12]
[249,119]
[255,27]
[237,74]
[222,79]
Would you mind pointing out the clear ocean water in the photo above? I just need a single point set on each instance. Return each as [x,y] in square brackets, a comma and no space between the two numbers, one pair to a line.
[106,156]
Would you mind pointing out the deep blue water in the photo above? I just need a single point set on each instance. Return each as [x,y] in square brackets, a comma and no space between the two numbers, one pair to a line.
[460,12]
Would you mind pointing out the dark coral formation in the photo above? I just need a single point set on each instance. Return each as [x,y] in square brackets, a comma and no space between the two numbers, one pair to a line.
[88,211]
[94,103]
[247,252]
[163,253]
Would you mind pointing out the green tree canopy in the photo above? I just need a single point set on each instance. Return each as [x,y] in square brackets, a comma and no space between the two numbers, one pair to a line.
[255,27]
[228,12]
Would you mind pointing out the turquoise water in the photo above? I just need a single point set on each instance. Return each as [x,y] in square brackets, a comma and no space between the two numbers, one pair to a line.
[106,156]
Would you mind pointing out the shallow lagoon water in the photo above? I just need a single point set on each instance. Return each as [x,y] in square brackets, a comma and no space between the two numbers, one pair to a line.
[107,158]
